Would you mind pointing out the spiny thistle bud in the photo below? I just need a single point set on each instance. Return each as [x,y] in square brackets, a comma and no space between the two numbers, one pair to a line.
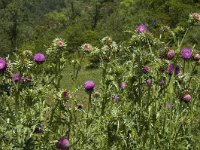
[59,43]
[170,54]
[196,16]
[196,57]
[87,48]
[107,40]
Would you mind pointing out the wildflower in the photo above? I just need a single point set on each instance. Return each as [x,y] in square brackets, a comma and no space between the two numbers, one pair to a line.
[59,44]
[107,40]
[196,57]
[63,143]
[148,82]
[87,47]
[170,54]
[122,85]
[89,86]
[171,69]
[65,95]
[186,53]
[39,58]
[196,16]
[116,99]
[16,77]
[141,28]
[146,69]
[3,64]
[187,98]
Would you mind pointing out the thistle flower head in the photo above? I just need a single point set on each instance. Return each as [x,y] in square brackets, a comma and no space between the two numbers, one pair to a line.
[89,86]
[171,69]
[196,57]
[122,85]
[146,69]
[187,98]
[186,53]
[63,143]
[39,58]
[3,64]
[196,16]
[141,28]
[16,77]
[148,82]
[170,54]
[87,48]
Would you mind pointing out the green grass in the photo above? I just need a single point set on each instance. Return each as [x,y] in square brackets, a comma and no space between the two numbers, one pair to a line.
[76,87]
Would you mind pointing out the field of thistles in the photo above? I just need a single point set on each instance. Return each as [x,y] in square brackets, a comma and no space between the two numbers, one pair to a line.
[145,96]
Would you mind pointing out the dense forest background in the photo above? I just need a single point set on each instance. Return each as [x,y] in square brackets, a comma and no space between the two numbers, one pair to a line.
[32,24]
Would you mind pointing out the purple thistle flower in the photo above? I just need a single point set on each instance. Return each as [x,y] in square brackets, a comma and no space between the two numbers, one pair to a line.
[39,58]
[63,143]
[186,53]
[141,28]
[146,69]
[170,54]
[122,85]
[89,86]
[65,95]
[3,64]
[177,70]
[187,98]
[16,77]
[148,82]
[171,69]
[116,99]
